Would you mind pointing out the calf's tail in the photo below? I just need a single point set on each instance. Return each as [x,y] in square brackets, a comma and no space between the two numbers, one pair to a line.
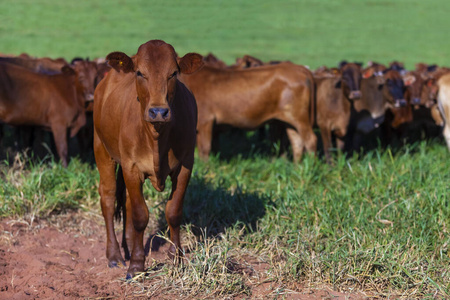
[120,195]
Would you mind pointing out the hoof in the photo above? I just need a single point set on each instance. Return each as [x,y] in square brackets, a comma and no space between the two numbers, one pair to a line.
[116,264]
[129,277]
[175,255]
[131,273]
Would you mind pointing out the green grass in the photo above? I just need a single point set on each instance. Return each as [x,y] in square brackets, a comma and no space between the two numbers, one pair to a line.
[377,223]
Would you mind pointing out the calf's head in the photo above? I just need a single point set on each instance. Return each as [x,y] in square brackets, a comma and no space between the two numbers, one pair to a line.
[429,92]
[155,68]
[86,72]
[414,84]
[351,80]
[394,88]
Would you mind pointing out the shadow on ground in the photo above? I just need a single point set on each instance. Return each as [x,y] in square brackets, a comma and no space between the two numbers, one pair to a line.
[211,210]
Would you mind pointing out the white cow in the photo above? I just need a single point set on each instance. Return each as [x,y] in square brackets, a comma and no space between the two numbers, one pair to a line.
[444,104]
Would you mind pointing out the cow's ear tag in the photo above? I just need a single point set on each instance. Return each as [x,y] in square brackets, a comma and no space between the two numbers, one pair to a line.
[120,62]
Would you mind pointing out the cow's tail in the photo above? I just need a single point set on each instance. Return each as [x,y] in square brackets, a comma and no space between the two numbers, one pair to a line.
[121,209]
[120,195]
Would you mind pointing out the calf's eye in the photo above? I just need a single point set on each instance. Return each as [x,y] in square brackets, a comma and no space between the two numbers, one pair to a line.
[138,73]
[173,74]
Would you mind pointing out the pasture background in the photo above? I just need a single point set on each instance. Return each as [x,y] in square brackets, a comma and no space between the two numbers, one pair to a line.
[307,32]
[377,224]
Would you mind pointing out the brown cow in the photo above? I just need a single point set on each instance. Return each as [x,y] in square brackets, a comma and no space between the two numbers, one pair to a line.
[381,89]
[144,121]
[335,91]
[86,75]
[367,114]
[423,93]
[42,65]
[53,102]
[247,98]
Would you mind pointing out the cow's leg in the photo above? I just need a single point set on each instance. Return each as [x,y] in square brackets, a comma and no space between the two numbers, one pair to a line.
[296,143]
[204,137]
[446,133]
[301,138]
[107,190]
[129,233]
[340,143]
[60,137]
[326,141]
[139,217]
[124,204]
[2,134]
[174,209]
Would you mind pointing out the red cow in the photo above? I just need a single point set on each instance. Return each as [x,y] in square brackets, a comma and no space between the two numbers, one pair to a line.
[86,74]
[144,121]
[247,98]
[42,65]
[54,102]
[335,92]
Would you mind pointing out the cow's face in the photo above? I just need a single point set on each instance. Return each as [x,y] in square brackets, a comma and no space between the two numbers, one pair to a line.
[351,80]
[429,92]
[86,75]
[394,88]
[375,71]
[414,83]
[155,67]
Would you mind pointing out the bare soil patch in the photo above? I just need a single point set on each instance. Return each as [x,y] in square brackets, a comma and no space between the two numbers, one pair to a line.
[64,257]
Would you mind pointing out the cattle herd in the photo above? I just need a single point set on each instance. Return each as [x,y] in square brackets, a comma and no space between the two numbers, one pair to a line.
[139,116]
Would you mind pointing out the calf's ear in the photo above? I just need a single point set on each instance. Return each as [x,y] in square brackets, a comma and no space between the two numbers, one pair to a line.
[120,61]
[408,80]
[190,63]
[367,73]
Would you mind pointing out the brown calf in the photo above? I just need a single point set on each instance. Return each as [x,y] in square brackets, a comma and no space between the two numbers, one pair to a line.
[144,121]
[247,98]
[335,90]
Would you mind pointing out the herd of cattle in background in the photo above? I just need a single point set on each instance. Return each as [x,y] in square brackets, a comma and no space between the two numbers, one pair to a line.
[352,106]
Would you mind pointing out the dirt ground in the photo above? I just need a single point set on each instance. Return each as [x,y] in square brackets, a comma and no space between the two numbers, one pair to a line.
[64,257]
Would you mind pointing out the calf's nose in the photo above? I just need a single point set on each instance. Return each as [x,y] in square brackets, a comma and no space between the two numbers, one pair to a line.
[354,95]
[415,101]
[158,113]
[400,103]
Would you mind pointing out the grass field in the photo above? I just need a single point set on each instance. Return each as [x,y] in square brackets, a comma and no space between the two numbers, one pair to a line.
[378,223]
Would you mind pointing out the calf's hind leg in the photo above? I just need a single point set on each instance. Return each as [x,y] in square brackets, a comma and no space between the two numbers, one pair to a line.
[204,137]
[60,137]
[302,138]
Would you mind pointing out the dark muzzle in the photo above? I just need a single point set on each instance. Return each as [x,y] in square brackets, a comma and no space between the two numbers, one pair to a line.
[354,95]
[400,103]
[415,101]
[159,114]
